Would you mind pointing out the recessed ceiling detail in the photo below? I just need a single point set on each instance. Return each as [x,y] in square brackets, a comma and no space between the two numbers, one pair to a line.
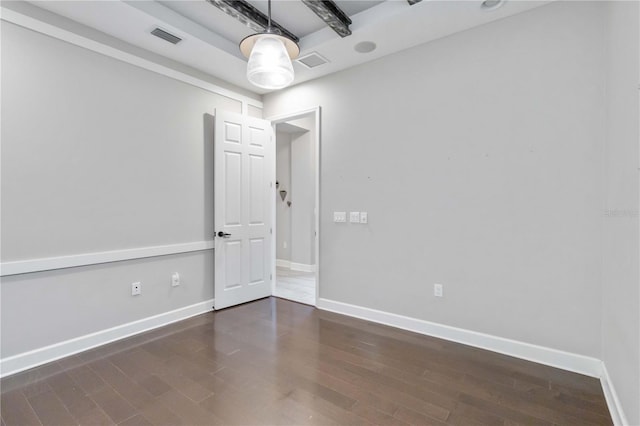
[312,60]
[212,48]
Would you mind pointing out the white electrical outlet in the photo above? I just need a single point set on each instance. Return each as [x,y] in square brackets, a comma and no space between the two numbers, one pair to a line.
[284,244]
[354,217]
[136,289]
[364,217]
[175,280]
[437,290]
[339,217]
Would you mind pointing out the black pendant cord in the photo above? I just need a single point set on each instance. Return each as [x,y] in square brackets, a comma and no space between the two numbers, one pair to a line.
[269,22]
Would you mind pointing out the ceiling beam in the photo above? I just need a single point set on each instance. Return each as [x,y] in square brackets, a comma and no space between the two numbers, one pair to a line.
[331,14]
[250,16]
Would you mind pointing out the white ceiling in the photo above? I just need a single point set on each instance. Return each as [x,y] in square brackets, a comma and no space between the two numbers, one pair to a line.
[210,37]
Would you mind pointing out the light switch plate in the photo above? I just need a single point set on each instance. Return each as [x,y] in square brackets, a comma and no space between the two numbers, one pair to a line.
[364,217]
[339,217]
[354,217]
[437,290]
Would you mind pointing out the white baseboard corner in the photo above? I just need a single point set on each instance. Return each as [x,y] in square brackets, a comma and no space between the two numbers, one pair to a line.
[613,403]
[555,358]
[540,354]
[24,361]
[301,267]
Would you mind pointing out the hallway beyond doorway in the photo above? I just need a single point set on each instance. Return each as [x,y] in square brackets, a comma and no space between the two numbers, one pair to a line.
[296,286]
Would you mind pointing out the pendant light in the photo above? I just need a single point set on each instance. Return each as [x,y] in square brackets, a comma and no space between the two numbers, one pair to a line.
[270,55]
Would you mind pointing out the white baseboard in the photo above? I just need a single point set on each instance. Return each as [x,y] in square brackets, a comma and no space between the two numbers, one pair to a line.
[615,407]
[555,358]
[281,263]
[302,267]
[540,354]
[34,358]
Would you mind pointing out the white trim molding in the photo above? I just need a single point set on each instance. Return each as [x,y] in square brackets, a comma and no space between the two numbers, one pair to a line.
[24,361]
[302,267]
[540,354]
[553,357]
[613,402]
[45,28]
[85,259]
[281,263]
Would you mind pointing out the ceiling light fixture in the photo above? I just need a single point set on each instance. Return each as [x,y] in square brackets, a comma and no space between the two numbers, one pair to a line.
[270,54]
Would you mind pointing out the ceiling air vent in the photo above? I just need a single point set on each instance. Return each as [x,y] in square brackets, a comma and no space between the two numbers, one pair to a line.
[312,60]
[166,36]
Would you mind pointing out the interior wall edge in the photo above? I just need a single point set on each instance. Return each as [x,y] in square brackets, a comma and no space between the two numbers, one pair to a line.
[50,30]
[24,361]
[611,396]
[87,259]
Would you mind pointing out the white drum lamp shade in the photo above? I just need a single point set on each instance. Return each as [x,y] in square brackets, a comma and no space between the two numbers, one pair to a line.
[269,64]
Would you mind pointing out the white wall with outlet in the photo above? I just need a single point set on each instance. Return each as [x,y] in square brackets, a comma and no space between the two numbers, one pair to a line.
[70,303]
[99,155]
[480,166]
[483,166]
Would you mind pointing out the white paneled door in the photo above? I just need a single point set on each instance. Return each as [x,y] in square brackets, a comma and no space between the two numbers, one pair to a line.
[244,167]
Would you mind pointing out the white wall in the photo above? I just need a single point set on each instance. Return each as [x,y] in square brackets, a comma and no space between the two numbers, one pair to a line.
[477,158]
[620,290]
[295,166]
[303,192]
[99,155]
[283,212]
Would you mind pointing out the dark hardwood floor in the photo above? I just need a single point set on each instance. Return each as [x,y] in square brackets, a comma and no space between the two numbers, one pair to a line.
[278,362]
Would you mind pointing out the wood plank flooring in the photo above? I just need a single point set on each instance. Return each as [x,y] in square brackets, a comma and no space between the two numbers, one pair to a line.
[278,362]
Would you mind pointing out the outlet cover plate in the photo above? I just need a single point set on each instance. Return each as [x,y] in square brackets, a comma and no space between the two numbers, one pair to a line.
[136,289]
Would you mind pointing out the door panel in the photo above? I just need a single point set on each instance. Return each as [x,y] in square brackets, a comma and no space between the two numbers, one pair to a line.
[257,197]
[233,264]
[257,261]
[233,193]
[244,173]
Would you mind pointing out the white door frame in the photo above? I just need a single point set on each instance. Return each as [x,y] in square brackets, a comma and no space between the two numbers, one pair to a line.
[281,118]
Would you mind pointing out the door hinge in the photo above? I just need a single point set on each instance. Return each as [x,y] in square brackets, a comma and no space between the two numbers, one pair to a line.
[271,231]
[270,277]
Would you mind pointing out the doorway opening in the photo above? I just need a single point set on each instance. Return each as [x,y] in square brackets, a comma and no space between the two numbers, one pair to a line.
[296,206]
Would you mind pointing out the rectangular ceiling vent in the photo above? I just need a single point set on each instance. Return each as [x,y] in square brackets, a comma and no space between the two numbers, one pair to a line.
[312,60]
[166,36]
